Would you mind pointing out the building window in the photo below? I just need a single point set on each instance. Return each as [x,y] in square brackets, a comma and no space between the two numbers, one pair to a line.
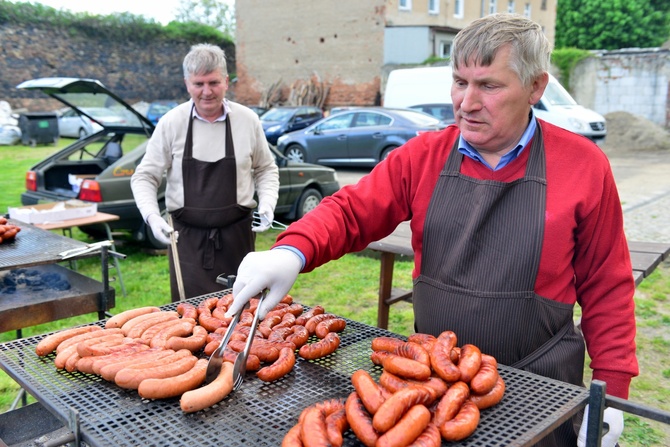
[543,5]
[458,8]
[405,5]
[445,49]
[493,7]
[526,10]
[510,6]
[433,6]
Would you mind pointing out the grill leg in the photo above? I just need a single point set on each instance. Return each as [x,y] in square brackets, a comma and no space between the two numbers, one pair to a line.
[596,410]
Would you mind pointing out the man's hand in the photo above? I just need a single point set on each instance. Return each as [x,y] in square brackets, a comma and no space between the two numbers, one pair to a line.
[613,418]
[275,270]
[159,228]
[266,216]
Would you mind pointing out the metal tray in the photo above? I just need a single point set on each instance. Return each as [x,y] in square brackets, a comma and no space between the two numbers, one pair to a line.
[260,413]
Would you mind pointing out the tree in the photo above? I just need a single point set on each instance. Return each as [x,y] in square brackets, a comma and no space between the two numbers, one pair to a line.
[611,24]
[214,13]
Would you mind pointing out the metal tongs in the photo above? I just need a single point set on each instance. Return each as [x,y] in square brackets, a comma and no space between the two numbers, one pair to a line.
[67,254]
[240,365]
[275,225]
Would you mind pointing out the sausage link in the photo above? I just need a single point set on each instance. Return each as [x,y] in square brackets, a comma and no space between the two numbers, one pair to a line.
[210,394]
[440,357]
[368,390]
[130,378]
[85,347]
[108,370]
[313,432]
[298,336]
[137,330]
[316,319]
[174,386]
[282,366]
[182,328]
[150,332]
[451,402]
[187,310]
[302,319]
[360,420]
[406,368]
[91,365]
[336,425]
[270,321]
[413,351]
[393,408]
[86,336]
[292,438]
[209,322]
[463,425]
[492,397]
[388,344]
[49,343]
[469,362]
[377,356]
[120,319]
[408,428]
[425,340]
[193,343]
[321,348]
[267,352]
[393,383]
[429,438]
[253,362]
[333,325]
[288,320]
[486,377]
[130,324]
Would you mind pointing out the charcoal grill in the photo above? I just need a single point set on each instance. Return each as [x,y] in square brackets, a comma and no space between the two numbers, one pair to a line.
[261,413]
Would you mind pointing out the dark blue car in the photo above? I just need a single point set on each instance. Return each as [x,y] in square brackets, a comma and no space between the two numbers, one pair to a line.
[279,120]
[157,109]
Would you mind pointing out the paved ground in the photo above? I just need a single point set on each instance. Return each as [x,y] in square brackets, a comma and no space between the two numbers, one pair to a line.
[643,181]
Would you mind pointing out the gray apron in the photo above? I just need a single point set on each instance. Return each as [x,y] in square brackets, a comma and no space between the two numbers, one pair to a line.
[481,253]
[214,230]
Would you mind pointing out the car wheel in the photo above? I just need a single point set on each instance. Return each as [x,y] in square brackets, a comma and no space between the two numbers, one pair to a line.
[82,133]
[386,152]
[296,153]
[309,199]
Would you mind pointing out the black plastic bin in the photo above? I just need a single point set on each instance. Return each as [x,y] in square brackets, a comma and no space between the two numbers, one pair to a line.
[38,128]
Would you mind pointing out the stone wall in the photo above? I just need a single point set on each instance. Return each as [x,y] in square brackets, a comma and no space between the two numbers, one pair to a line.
[134,70]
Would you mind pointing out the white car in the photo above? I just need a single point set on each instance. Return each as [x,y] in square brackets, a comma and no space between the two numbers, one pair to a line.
[74,125]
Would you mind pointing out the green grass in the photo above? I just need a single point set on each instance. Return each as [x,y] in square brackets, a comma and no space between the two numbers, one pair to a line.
[349,287]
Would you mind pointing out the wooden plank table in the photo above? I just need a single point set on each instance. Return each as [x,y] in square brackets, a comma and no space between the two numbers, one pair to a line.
[645,257]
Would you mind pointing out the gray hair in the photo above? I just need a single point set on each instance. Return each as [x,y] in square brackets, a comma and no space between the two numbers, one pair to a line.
[203,59]
[480,41]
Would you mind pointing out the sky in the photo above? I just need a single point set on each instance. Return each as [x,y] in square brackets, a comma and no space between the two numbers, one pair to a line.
[161,11]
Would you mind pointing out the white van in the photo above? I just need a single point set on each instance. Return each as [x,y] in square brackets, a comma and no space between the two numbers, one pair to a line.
[414,87]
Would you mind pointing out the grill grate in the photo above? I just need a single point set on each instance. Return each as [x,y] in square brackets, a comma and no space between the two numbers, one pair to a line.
[261,413]
[34,246]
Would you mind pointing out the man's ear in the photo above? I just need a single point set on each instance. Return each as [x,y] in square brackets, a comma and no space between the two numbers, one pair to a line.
[537,88]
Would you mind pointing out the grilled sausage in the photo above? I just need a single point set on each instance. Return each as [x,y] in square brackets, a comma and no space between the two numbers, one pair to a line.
[393,408]
[110,367]
[429,438]
[408,428]
[492,397]
[440,357]
[393,383]
[292,437]
[302,319]
[413,351]
[336,425]
[138,329]
[425,340]
[463,425]
[368,390]
[451,402]
[282,366]
[193,343]
[469,362]
[130,378]
[174,386]
[253,362]
[118,320]
[486,377]
[316,319]
[321,348]
[388,344]
[128,325]
[210,394]
[182,328]
[360,420]
[86,336]
[313,432]
[85,347]
[333,325]
[187,310]
[406,368]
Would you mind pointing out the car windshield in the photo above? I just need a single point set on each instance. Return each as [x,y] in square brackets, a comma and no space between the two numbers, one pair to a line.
[102,107]
[557,96]
[277,114]
[419,118]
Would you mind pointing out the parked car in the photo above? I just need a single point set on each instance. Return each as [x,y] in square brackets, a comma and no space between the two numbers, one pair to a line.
[442,111]
[357,137]
[157,109]
[279,120]
[98,167]
[85,121]
[259,110]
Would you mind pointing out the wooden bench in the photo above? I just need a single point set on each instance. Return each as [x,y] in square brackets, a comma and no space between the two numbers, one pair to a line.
[645,257]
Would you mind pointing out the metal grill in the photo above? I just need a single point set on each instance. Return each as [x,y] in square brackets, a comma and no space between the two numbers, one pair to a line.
[260,413]
[34,246]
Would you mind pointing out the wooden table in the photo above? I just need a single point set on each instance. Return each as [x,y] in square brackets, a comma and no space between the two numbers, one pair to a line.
[645,257]
[96,219]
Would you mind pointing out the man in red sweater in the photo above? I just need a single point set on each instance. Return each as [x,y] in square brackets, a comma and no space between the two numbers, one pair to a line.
[513,221]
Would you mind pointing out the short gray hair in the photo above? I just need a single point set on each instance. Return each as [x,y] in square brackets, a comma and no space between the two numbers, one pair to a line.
[203,59]
[480,41]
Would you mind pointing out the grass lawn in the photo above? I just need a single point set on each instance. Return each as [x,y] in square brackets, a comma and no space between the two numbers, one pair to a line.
[347,287]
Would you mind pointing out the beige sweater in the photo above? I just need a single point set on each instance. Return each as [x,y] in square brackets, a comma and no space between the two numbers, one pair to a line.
[256,167]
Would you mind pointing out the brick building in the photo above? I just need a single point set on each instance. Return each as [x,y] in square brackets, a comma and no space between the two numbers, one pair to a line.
[349,46]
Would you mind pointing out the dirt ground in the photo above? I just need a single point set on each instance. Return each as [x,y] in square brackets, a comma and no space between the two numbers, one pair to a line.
[628,133]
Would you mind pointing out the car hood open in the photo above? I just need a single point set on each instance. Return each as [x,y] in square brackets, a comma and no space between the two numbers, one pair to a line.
[80,93]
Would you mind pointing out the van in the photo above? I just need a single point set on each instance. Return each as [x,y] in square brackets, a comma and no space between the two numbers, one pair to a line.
[412,87]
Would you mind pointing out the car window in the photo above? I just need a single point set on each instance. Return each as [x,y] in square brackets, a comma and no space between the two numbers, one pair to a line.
[277,114]
[366,119]
[341,121]
[418,118]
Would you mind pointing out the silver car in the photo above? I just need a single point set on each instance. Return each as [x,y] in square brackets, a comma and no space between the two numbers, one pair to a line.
[73,124]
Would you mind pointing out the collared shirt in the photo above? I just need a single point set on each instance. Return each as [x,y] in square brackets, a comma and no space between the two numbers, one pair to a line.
[226,109]
[466,149]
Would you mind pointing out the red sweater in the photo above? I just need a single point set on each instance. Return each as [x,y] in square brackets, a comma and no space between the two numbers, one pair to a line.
[585,256]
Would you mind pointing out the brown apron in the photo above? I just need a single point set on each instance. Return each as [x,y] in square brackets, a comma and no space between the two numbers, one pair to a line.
[214,230]
[481,252]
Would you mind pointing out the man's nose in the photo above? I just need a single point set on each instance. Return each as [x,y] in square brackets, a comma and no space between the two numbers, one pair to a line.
[471,99]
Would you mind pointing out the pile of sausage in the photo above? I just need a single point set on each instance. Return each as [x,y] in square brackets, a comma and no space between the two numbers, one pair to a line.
[158,352]
[429,390]
[7,231]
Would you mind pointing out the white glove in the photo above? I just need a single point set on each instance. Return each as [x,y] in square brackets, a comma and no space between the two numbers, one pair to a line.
[266,216]
[159,228]
[275,270]
[613,418]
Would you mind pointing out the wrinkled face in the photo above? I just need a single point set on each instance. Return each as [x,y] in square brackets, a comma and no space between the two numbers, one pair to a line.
[207,92]
[491,105]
